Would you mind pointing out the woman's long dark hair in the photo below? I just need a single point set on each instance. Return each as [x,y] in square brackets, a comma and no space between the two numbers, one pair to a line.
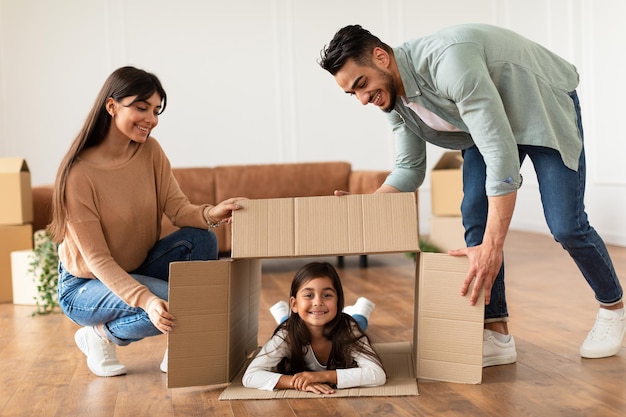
[123,82]
[343,331]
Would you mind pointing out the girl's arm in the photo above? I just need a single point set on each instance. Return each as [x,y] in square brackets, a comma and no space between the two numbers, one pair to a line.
[259,373]
[367,374]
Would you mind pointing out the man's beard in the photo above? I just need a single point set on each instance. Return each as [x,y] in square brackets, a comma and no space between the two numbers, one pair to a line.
[391,89]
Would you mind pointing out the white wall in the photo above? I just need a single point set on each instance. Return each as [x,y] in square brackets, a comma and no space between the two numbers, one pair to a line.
[244,86]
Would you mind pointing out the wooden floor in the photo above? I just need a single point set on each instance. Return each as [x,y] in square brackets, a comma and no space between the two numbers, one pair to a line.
[42,372]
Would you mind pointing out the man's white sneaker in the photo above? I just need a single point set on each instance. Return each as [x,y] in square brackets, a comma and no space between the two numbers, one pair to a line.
[101,357]
[605,339]
[496,352]
[280,311]
[163,366]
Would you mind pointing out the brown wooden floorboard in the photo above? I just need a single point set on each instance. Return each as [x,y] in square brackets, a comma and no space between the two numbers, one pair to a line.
[42,373]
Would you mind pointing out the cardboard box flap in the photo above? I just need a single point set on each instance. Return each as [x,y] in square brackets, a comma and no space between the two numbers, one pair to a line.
[264,227]
[216,308]
[326,225]
[13,165]
[397,361]
[448,333]
[16,206]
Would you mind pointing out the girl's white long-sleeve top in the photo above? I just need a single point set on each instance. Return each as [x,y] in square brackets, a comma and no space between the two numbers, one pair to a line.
[261,372]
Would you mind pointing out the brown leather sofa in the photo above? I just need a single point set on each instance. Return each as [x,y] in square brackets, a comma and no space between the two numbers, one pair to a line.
[215,184]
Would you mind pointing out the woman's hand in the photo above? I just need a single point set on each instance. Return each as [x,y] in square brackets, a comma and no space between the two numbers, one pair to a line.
[339,193]
[159,315]
[223,212]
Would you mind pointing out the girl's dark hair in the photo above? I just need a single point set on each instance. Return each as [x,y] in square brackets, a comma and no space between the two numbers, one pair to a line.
[123,82]
[343,331]
[350,42]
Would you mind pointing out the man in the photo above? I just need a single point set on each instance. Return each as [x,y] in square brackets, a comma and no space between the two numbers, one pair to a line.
[499,98]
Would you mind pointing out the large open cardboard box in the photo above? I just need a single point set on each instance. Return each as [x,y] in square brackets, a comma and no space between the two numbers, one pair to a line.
[16,206]
[216,302]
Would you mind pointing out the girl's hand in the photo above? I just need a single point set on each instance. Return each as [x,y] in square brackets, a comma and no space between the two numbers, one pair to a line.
[311,381]
[159,316]
[319,388]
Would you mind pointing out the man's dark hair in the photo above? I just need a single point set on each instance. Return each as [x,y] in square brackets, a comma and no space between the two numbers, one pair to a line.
[350,42]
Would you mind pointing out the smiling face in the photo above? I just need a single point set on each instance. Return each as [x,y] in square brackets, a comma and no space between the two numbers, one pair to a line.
[134,118]
[315,302]
[370,83]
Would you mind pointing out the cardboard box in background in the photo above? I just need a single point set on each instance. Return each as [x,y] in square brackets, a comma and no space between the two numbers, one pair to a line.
[325,226]
[24,286]
[448,333]
[216,305]
[16,206]
[446,185]
[447,233]
[12,238]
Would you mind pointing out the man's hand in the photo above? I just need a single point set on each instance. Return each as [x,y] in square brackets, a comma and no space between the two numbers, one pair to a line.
[484,266]
[486,259]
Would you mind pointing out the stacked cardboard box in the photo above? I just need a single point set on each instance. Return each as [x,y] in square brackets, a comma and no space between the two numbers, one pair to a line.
[16,216]
[446,226]
[216,302]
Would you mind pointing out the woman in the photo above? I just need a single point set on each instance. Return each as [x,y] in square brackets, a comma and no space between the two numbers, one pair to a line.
[112,189]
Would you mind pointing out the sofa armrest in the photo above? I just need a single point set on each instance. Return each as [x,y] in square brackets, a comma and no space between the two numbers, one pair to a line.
[366,182]
[42,206]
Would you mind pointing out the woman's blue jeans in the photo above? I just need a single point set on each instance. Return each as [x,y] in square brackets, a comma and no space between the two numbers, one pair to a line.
[88,302]
[562,196]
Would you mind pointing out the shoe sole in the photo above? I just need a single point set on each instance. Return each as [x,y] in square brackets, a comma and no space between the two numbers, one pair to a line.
[595,355]
[82,345]
[499,360]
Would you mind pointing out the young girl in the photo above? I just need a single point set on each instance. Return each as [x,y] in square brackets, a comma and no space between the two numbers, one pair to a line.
[318,348]
[112,189]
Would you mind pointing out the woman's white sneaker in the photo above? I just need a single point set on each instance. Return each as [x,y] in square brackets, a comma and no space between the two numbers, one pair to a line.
[101,356]
[607,335]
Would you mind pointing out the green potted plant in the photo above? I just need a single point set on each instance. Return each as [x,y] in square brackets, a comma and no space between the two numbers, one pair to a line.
[44,266]
[425,246]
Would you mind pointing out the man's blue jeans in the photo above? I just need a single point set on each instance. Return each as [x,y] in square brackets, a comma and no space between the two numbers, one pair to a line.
[562,196]
[89,302]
